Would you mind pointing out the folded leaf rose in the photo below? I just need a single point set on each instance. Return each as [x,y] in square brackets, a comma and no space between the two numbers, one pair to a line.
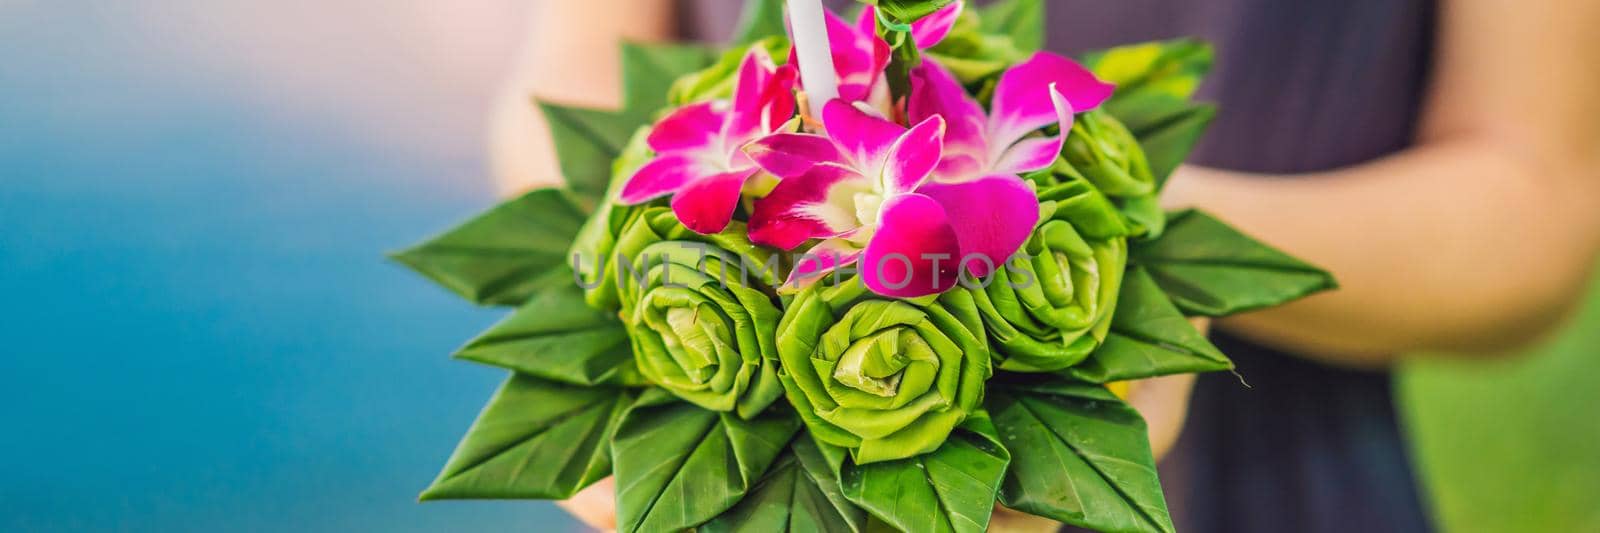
[887,379]
[1051,306]
[701,318]
[1103,151]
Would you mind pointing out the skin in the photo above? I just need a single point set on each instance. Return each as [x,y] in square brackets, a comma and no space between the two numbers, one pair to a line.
[1476,240]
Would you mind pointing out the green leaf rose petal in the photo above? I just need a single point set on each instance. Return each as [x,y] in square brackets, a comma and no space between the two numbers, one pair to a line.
[702,324]
[887,379]
[1149,337]
[1049,308]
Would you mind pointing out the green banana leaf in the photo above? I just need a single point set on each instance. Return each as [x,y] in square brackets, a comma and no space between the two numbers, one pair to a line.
[908,11]
[1078,455]
[557,336]
[951,489]
[1021,21]
[678,465]
[1209,268]
[536,439]
[1155,83]
[759,20]
[587,141]
[1149,337]
[800,493]
[502,256]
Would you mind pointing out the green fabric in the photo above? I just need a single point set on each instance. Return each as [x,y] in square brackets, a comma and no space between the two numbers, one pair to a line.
[702,327]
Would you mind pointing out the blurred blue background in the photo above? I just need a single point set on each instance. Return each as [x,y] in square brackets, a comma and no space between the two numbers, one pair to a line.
[198,331]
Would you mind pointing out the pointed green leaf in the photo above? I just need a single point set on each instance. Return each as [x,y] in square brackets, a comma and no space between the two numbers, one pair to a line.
[678,465]
[761,19]
[555,335]
[908,11]
[1208,268]
[716,79]
[1173,68]
[951,489]
[536,439]
[1149,337]
[903,56]
[586,143]
[1145,212]
[1021,20]
[1080,456]
[648,71]
[505,254]
[1167,128]
[800,493]
[1155,81]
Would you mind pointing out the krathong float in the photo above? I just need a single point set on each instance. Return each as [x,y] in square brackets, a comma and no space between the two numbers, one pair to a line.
[850,275]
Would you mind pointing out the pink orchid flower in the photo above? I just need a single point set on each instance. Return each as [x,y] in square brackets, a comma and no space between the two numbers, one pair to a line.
[860,56]
[859,189]
[984,154]
[1044,90]
[699,157]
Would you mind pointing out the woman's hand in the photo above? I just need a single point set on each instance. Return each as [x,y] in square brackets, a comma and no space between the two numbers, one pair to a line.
[595,506]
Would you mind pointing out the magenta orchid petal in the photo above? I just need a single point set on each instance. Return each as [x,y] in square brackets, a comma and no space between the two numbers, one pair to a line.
[1028,155]
[817,204]
[994,214]
[1024,101]
[913,156]
[1035,153]
[914,250]
[705,205]
[762,98]
[867,21]
[699,147]
[859,58]
[821,259]
[955,168]
[660,177]
[935,92]
[788,155]
[864,138]
[928,31]
[691,127]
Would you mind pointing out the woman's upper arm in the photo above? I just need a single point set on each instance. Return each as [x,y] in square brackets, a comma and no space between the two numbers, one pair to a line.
[1524,74]
[569,55]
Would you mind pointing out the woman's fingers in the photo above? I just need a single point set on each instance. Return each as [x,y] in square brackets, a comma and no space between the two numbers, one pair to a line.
[1164,403]
[1009,521]
[595,506]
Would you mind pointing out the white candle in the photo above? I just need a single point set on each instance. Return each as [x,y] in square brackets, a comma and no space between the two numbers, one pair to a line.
[811,46]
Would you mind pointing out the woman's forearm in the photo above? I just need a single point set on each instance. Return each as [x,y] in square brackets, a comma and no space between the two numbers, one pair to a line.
[1454,245]
[1475,240]
[571,57]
